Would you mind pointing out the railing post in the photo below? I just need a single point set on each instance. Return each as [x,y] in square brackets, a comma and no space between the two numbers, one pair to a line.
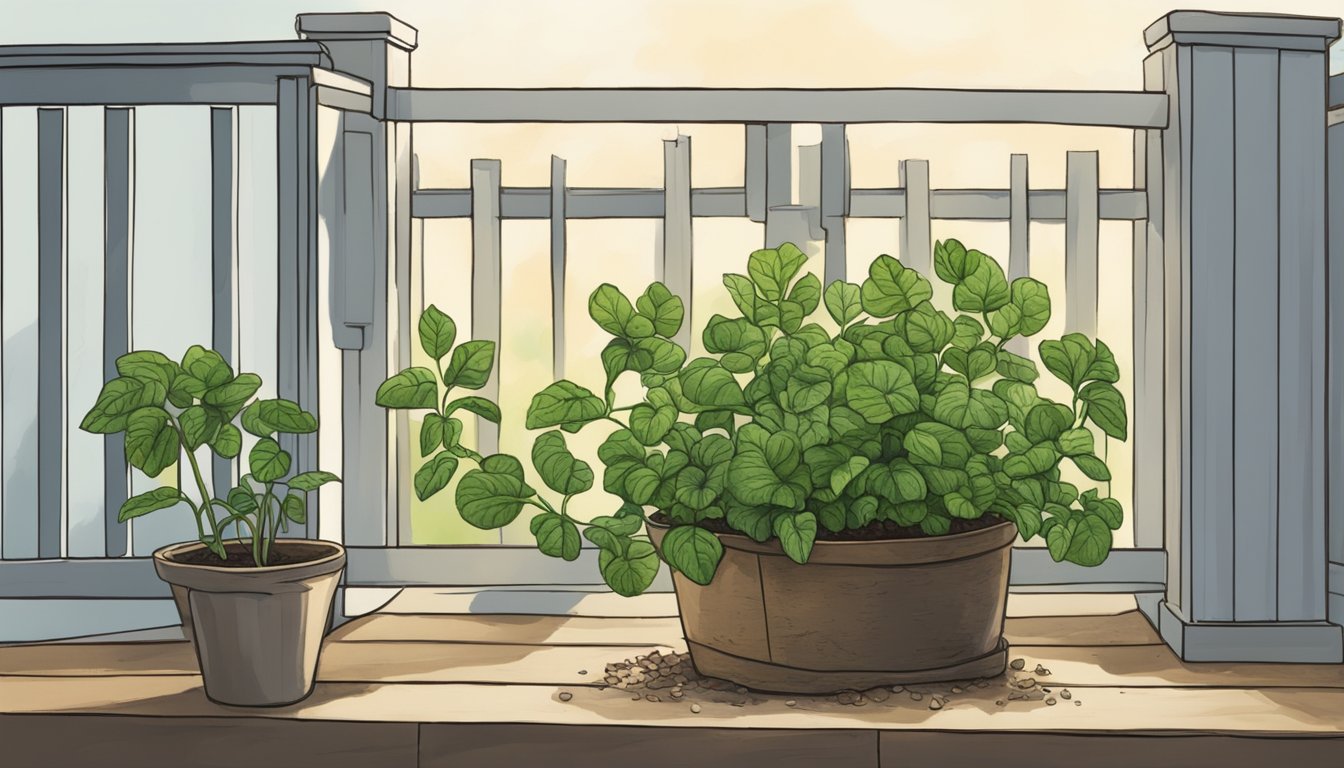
[375,47]
[1241,237]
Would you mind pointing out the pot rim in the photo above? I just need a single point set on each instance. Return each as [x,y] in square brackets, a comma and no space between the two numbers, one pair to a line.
[162,555]
[891,552]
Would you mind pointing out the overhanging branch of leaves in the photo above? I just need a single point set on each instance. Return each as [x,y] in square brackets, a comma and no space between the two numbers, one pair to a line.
[171,412]
[903,413]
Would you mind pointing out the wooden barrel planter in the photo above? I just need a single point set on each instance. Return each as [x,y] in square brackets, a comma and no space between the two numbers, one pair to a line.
[859,614]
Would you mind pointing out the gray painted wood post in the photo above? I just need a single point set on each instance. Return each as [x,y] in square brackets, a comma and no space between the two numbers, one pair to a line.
[916,233]
[558,227]
[51,327]
[1019,233]
[834,198]
[1243,234]
[754,177]
[1081,237]
[675,270]
[224,257]
[1335,399]
[778,184]
[486,284]
[1148,427]
[118,191]
[375,47]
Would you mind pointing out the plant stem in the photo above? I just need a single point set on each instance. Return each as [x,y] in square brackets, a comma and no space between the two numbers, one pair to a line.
[205,507]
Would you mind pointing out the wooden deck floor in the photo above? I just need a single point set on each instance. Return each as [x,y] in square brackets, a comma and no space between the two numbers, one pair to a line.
[461,679]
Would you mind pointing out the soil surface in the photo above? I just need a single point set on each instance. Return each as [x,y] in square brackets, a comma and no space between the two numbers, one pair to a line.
[671,678]
[240,555]
[878,530]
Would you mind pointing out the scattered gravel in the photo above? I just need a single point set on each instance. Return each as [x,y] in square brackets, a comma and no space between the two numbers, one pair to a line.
[668,677]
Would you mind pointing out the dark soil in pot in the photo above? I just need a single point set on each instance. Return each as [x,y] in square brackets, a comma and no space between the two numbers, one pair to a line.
[878,530]
[240,554]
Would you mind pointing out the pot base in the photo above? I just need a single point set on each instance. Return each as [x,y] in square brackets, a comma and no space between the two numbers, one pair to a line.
[778,678]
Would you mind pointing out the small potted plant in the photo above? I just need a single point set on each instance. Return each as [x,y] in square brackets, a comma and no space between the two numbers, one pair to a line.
[838,506]
[254,605]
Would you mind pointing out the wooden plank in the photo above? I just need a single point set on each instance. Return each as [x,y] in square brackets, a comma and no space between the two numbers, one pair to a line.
[141,86]
[117,191]
[1302,329]
[1019,234]
[1211,349]
[1046,205]
[486,283]
[1112,750]
[1137,710]
[1119,109]
[557,267]
[51,327]
[224,258]
[916,236]
[675,267]
[537,599]
[1081,237]
[834,198]
[754,174]
[512,629]
[1255,331]
[1123,629]
[212,742]
[1148,666]
[507,745]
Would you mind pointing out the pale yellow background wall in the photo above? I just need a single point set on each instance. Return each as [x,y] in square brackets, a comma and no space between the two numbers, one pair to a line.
[784,43]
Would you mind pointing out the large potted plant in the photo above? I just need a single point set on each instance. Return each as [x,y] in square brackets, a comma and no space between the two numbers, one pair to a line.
[838,505]
[254,605]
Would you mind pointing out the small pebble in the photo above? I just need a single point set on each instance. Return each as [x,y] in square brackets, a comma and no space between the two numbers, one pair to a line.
[740,689]
[1041,670]
[566,695]
[936,703]
[637,697]
[1078,703]
[1050,702]
[847,697]
[981,684]
[1047,690]
[1064,694]
[1000,702]
[695,709]
[652,698]
[878,695]
[583,671]
[898,689]
[956,689]
[791,703]
[916,696]
[1018,664]
[677,694]
[1026,682]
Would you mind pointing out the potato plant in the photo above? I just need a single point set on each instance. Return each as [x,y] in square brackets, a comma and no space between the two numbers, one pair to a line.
[904,414]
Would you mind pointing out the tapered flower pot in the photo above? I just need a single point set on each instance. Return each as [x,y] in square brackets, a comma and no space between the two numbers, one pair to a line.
[257,631]
[858,615]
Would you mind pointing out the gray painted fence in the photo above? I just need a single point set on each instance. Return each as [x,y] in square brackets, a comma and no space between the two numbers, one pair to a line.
[1230,513]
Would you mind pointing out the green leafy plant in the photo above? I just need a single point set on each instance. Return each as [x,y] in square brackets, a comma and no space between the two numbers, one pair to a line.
[786,430]
[172,411]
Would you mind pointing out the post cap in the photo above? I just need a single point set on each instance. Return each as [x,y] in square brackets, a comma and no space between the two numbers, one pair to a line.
[1282,31]
[356,26]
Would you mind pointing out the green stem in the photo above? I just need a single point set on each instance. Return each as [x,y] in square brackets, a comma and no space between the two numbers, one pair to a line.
[205,507]
[616,421]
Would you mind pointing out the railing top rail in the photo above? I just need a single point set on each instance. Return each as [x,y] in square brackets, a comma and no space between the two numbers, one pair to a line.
[1335,98]
[1117,109]
[270,53]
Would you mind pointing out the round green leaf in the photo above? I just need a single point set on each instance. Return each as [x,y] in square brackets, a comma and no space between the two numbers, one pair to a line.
[612,311]
[1106,408]
[118,399]
[1089,542]
[264,417]
[206,366]
[797,533]
[891,288]
[984,290]
[556,535]
[662,308]
[1076,442]
[1032,299]
[267,461]
[953,263]
[295,508]
[311,481]
[564,402]
[470,365]
[842,302]
[880,389]
[491,499]
[694,551]
[228,441]
[1093,467]
[558,468]
[631,571]
[412,388]
[151,441]
[150,501]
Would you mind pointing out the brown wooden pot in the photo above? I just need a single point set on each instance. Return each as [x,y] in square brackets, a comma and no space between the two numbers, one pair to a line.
[257,631]
[858,615]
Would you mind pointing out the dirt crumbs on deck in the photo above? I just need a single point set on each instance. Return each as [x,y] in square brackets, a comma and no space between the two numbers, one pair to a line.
[671,678]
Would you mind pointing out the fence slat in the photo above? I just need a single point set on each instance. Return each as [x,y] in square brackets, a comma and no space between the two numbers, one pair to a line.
[1302,302]
[675,269]
[778,174]
[51,325]
[754,178]
[1147,436]
[834,198]
[916,234]
[1019,233]
[224,256]
[486,283]
[1255,263]
[118,142]
[558,227]
[1081,231]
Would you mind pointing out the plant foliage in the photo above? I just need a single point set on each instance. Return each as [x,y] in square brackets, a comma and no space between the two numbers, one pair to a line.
[899,412]
[170,411]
